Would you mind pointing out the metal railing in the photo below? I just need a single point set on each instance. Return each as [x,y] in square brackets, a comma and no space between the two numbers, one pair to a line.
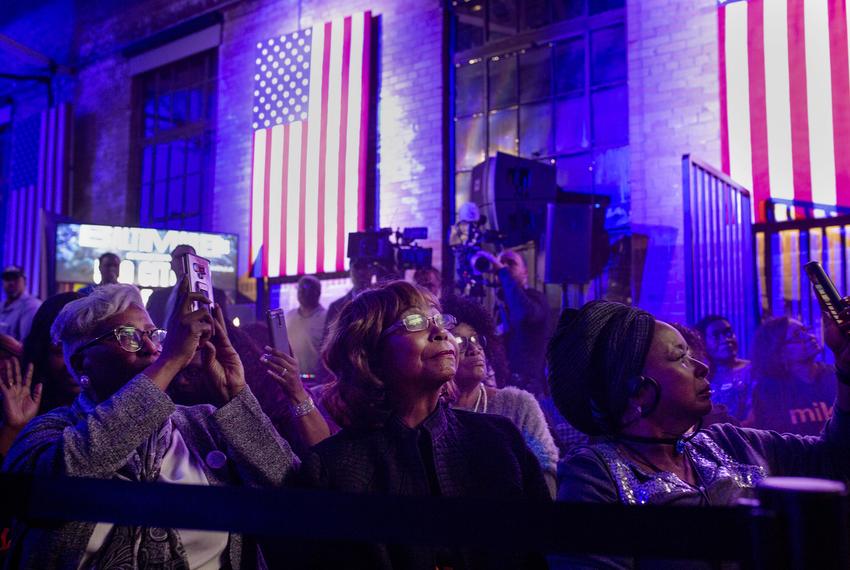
[719,256]
[784,247]
[798,523]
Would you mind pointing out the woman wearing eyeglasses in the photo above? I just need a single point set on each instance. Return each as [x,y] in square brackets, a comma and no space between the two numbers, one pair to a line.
[631,382]
[479,353]
[392,353]
[794,389]
[124,426]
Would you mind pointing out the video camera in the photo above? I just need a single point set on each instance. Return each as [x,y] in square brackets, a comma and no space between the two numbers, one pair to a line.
[391,252]
[470,236]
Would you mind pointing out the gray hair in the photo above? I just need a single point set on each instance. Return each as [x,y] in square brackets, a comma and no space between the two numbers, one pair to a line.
[78,320]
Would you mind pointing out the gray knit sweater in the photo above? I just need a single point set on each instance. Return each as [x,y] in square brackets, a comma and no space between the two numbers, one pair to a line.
[63,442]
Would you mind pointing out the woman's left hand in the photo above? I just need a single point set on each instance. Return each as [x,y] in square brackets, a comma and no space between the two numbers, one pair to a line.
[284,368]
[221,361]
[838,339]
[19,404]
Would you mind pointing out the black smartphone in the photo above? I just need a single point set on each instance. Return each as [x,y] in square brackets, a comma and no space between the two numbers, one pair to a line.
[278,337]
[828,296]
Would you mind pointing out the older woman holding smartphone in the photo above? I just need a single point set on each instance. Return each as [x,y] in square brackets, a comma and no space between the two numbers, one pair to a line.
[392,353]
[124,426]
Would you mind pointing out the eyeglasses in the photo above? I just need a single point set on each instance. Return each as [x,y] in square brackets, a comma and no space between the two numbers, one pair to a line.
[417,322]
[801,334]
[465,343]
[129,338]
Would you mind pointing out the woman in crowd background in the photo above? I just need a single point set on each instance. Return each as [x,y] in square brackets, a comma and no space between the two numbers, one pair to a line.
[623,377]
[45,381]
[477,348]
[123,425]
[60,387]
[392,353]
[794,390]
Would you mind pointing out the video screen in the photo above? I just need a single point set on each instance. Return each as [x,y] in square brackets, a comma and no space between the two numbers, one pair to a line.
[145,254]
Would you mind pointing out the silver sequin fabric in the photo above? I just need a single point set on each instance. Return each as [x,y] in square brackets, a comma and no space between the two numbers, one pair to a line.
[721,479]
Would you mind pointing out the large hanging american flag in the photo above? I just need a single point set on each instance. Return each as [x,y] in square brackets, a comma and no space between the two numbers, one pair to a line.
[310,131]
[40,183]
[785,99]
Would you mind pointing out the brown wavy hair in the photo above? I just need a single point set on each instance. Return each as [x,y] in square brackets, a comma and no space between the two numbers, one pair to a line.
[357,397]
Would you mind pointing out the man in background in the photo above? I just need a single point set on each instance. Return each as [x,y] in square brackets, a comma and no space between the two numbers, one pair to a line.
[108,265]
[523,321]
[430,279]
[19,307]
[306,326]
[361,278]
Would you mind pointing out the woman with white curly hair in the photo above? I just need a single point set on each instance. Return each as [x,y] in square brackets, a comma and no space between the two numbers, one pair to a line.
[124,426]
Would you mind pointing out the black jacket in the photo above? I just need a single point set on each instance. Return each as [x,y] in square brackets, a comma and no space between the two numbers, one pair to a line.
[452,454]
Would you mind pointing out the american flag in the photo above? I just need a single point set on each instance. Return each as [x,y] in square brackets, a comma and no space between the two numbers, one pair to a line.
[40,182]
[310,125]
[785,99]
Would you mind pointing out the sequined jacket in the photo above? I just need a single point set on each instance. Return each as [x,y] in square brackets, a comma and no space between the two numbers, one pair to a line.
[729,461]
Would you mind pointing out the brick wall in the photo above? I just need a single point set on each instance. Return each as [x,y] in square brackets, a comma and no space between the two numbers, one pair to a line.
[674,109]
[409,115]
[409,122]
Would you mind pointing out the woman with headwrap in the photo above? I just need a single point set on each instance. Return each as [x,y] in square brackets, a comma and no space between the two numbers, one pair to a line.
[618,374]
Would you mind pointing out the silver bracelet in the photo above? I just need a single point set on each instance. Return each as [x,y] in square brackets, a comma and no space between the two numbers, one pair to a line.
[302,409]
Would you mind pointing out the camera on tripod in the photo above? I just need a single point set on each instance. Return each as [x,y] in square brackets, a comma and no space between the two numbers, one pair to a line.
[391,252]
[471,259]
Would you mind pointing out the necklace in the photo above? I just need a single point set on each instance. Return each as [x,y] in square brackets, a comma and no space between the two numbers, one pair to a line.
[482,394]
[677,442]
[687,464]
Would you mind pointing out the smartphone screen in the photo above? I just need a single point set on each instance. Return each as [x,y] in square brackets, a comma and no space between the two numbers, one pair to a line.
[278,337]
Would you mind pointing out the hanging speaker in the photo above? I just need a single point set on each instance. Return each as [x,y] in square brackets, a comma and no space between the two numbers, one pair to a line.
[576,243]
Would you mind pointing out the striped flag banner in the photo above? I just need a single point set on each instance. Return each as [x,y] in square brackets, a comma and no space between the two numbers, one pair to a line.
[785,99]
[40,183]
[310,127]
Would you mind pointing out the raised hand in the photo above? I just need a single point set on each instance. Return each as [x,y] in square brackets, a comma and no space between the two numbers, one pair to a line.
[187,329]
[224,370]
[838,339]
[286,371]
[20,403]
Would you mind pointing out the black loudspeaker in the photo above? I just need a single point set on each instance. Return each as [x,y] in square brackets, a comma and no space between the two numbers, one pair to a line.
[513,192]
[576,244]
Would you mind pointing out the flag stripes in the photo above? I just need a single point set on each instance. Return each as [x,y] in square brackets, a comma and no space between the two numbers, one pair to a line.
[311,115]
[40,182]
[785,99]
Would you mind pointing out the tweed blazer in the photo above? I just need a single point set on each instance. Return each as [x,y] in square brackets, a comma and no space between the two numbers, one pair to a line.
[66,442]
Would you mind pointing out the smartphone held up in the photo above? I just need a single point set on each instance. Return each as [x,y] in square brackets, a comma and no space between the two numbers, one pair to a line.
[828,296]
[278,337]
[200,277]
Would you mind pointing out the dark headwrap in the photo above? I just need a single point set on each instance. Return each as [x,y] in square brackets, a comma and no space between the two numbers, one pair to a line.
[596,357]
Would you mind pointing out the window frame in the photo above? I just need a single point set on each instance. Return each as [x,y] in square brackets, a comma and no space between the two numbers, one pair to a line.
[580,27]
[202,130]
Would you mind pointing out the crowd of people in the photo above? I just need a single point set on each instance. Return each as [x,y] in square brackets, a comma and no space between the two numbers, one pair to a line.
[405,389]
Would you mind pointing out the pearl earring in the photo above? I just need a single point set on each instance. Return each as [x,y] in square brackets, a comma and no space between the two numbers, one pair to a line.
[84,381]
